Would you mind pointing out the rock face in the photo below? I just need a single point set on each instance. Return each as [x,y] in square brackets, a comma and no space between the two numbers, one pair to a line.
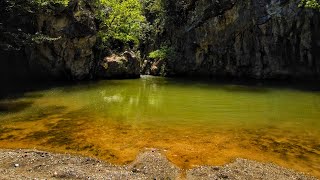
[68,53]
[54,42]
[59,42]
[125,66]
[260,39]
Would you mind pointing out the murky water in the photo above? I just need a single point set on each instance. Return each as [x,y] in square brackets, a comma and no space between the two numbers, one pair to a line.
[194,123]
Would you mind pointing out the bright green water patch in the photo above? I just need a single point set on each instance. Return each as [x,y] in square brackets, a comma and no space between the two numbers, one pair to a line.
[194,123]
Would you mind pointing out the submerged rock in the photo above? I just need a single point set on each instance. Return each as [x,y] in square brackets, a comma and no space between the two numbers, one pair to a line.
[125,66]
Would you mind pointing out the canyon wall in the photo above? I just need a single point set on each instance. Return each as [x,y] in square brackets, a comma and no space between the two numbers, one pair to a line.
[261,39]
[55,42]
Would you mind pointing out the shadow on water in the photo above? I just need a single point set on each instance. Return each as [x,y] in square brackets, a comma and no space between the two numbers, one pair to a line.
[5,132]
[242,88]
[246,85]
[57,134]
[59,126]
[289,147]
[14,89]
[14,106]
[17,89]
[64,133]
[42,113]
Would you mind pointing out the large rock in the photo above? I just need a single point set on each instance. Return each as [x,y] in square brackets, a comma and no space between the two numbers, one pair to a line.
[68,52]
[258,39]
[125,66]
[153,67]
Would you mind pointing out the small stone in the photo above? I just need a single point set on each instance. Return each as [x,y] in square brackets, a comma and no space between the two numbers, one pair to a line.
[16,165]
[215,168]
[134,170]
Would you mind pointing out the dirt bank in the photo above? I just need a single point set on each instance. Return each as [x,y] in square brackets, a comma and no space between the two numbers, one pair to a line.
[151,164]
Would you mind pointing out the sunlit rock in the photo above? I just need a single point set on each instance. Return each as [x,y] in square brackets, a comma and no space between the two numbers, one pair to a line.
[119,66]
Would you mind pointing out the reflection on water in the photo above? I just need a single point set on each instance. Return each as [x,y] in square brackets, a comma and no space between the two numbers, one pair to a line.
[193,122]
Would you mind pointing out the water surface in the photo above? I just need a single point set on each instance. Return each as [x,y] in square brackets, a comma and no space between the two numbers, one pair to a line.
[192,122]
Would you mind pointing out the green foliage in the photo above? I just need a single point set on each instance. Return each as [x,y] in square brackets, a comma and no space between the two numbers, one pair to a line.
[164,53]
[121,20]
[157,54]
[313,4]
[46,2]
[154,12]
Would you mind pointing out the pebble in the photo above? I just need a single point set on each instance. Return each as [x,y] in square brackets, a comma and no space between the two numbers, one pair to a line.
[148,165]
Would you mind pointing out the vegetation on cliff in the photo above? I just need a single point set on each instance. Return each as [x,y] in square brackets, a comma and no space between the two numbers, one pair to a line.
[313,4]
[155,28]
[121,22]
[46,2]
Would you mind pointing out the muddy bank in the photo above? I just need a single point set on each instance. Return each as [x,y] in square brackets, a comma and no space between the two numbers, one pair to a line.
[151,164]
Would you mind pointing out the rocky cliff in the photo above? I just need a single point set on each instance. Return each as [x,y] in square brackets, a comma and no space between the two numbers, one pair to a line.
[65,50]
[54,41]
[261,39]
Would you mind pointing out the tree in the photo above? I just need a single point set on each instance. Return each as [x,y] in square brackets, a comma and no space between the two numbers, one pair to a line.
[122,21]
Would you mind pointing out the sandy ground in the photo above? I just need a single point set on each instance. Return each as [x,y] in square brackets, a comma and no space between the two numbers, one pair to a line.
[151,164]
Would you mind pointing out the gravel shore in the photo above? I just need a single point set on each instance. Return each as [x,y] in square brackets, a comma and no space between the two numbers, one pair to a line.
[151,164]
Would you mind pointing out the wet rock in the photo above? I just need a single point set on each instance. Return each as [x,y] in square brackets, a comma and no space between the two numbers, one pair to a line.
[126,65]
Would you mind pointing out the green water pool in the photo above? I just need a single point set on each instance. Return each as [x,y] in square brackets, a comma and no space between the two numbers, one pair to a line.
[193,122]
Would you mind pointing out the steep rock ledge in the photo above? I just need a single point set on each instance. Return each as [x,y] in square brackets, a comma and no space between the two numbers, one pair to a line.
[54,42]
[71,53]
[261,39]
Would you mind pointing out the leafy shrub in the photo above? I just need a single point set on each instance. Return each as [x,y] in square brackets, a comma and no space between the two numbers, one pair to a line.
[313,4]
[46,2]
[121,21]
[164,53]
